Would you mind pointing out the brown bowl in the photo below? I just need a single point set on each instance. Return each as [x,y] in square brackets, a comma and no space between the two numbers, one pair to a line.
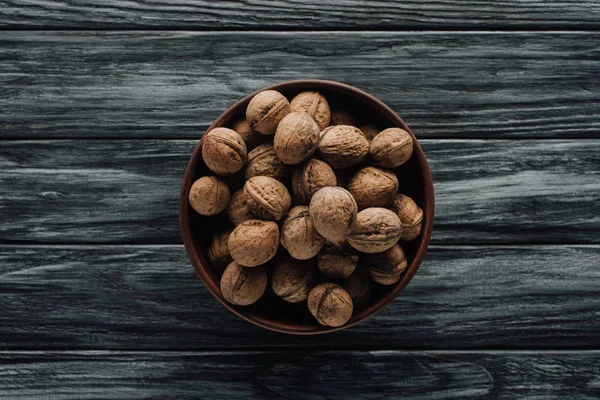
[270,312]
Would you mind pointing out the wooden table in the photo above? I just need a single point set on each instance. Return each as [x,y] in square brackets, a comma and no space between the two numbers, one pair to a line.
[102,102]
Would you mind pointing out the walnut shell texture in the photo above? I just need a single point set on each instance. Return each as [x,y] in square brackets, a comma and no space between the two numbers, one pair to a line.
[238,210]
[297,138]
[218,251]
[330,304]
[337,266]
[267,198]
[333,211]
[251,137]
[299,236]
[209,196]
[315,104]
[376,230]
[264,161]
[293,280]
[311,177]
[373,187]
[370,131]
[386,268]
[342,146]
[340,116]
[254,242]
[224,151]
[266,110]
[243,286]
[410,214]
[391,148]
[359,287]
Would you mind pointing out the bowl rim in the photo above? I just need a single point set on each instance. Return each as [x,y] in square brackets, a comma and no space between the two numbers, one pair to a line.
[200,264]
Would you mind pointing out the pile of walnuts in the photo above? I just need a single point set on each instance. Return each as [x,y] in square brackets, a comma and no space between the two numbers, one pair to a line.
[340,225]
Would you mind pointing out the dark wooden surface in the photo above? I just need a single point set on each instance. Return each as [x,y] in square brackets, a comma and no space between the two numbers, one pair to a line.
[99,116]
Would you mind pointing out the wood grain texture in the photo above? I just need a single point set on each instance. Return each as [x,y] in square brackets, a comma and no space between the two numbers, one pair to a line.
[127,191]
[147,297]
[300,375]
[297,14]
[174,84]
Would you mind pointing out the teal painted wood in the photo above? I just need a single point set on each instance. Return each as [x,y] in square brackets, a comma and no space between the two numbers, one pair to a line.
[299,14]
[148,297]
[174,84]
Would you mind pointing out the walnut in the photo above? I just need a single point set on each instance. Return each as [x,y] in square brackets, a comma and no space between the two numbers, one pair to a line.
[330,304]
[359,287]
[299,236]
[410,215]
[373,187]
[386,268]
[224,151]
[293,280]
[264,161]
[391,148]
[370,131]
[243,286]
[311,177]
[238,210]
[209,196]
[218,252]
[342,146]
[376,230]
[339,116]
[267,198]
[333,211]
[266,110]
[315,104]
[251,137]
[297,138]
[254,242]
[337,265]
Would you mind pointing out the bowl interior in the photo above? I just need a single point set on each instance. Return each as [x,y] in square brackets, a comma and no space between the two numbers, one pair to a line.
[271,312]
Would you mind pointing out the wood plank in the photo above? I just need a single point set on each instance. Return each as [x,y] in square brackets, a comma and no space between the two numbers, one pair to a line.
[306,375]
[302,14]
[147,297]
[127,191]
[174,84]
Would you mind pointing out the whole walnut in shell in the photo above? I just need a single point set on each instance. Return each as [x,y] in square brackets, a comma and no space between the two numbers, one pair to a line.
[297,138]
[333,211]
[267,198]
[218,251]
[266,110]
[391,148]
[315,104]
[293,280]
[337,265]
[243,286]
[299,236]
[330,304]
[376,230]
[410,215]
[340,116]
[208,196]
[264,161]
[373,187]
[370,131]
[251,137]
[311,177]
[387,267]
[224,151]
[238,210]
[359,287]
[254,242]
[342,146]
